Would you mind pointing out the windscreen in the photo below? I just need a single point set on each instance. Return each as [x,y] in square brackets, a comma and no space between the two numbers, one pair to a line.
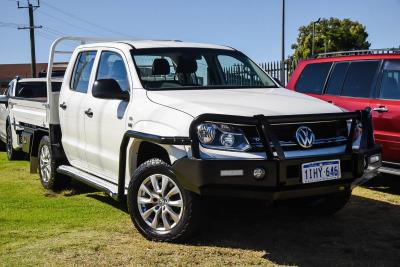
[190,68]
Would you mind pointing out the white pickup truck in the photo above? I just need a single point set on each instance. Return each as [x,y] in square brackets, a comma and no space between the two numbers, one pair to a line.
[23,107]
[164,123]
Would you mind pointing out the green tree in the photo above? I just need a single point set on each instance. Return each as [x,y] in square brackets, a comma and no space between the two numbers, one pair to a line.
[331,35]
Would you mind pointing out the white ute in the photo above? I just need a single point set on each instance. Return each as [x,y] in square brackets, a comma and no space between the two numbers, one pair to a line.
[164,123]
[24,107]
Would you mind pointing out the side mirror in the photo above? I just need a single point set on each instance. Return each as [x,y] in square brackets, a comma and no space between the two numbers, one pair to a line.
[109,89]
[4,99]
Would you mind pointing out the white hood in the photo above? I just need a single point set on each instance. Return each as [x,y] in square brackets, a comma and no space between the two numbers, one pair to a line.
[242,102]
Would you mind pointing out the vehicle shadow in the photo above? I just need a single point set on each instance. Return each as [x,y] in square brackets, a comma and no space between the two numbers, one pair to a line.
[365,233]
[73,188]
[385,183]
[121,205]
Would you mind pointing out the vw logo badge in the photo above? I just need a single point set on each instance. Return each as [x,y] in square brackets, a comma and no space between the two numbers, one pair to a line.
[305,137]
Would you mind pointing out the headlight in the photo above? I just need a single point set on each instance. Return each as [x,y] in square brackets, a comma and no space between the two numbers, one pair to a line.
[206,132]
[222,137]
[357,134]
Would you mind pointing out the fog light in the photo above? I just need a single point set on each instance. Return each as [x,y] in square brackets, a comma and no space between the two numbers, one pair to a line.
[259,173]
[374,159]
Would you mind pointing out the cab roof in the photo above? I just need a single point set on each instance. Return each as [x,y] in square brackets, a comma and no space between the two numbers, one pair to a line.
[142,44]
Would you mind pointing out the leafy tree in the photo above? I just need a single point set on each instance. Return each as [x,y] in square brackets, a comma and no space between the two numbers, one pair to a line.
[331,35]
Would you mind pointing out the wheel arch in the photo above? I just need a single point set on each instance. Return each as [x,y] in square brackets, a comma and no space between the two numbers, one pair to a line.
[137,147]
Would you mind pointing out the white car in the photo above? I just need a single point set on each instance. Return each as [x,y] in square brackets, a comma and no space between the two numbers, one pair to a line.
[23,99]
[4,114]
[164,123]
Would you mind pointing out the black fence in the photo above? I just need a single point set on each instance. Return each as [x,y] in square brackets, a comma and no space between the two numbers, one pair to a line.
[274,68]
[241,75]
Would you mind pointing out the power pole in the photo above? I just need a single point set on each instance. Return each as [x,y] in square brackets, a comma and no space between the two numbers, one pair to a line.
[31,28]
[282,78]
[313,36]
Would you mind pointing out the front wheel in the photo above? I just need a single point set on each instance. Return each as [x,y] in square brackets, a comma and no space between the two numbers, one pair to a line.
[158,205]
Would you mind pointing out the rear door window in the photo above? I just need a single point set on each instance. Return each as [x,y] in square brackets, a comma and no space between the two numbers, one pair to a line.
[336,79]
[360,78]
[312,79]
[390,85]
[82,70]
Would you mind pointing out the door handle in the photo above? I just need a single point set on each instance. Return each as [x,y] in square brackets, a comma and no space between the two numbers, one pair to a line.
[89,112]
[63,106]
[381,109]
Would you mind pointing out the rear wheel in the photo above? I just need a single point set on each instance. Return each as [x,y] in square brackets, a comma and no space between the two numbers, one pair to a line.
[159,207]
[49,177]
[2,146]
[12,154]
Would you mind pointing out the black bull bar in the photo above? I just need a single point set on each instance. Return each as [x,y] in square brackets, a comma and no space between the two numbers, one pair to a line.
[268,138]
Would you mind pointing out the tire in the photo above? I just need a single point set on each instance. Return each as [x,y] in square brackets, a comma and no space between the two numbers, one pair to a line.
[12,154]
[144,208]
[2,146]
[47,169]
[322,205]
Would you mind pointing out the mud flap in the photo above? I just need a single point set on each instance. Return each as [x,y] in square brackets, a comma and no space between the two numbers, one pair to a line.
[34,163]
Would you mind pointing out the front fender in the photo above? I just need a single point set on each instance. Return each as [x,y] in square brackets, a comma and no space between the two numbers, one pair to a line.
[180,128]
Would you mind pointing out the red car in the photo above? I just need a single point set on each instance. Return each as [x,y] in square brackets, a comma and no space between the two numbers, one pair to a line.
[355,80]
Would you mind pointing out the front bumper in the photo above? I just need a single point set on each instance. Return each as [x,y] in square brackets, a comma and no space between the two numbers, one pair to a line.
[235,178]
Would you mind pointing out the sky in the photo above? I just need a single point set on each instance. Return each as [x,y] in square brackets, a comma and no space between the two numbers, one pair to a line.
[252,26]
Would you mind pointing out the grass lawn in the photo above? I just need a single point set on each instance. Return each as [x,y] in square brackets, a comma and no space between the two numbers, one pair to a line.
[87,228]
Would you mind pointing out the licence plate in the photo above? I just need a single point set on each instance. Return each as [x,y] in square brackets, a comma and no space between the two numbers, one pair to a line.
[320,171]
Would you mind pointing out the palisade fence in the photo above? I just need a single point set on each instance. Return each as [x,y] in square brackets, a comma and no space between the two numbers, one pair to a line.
[274,69]
[239,74]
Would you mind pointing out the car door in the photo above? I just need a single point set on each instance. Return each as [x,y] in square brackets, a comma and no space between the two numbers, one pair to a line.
[351,84]
[106,122]
[386,111]
[4,112]
[73,100]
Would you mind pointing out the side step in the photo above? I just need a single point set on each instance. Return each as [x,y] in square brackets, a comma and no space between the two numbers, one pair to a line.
[389,170]
[89,179]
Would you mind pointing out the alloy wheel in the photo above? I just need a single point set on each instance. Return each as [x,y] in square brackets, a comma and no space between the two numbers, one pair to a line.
[160,202]
[45,163]
[9,143]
